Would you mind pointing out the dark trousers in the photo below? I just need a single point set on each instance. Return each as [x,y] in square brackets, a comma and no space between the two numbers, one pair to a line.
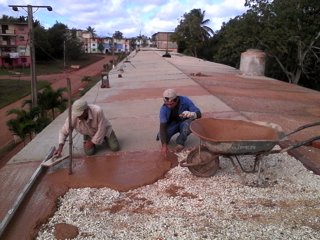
[178,127]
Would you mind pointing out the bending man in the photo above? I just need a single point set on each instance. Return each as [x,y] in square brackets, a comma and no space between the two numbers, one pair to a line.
[89,120]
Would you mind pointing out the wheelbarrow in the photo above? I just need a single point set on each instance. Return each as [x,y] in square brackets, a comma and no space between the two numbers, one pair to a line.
[232,138]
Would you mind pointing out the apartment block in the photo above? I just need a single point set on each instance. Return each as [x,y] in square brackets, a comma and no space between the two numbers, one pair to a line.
[14,45]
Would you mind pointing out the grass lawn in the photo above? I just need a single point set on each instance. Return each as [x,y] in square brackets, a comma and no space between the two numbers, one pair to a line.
[43,68]
[12,90]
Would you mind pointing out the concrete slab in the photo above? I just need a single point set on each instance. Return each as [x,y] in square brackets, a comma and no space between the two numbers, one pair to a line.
[132,105]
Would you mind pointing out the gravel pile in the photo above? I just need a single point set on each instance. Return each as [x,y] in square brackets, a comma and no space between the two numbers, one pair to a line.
[182,206]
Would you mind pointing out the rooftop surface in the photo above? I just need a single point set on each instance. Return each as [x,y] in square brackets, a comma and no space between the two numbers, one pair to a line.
[132,105]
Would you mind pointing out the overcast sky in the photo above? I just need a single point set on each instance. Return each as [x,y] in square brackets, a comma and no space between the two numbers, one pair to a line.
[131,17]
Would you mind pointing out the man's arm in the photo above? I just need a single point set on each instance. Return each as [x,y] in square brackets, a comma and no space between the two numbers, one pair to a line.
[164,119]
[102,124]
[163,138]
[163,133]
[193,111]
[59,150]
[63,134]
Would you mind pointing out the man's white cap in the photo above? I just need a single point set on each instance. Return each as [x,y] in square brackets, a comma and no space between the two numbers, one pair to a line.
[170,94]
[78,107]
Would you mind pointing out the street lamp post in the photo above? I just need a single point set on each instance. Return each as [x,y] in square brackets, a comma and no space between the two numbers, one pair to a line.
[32,48]
[167,54]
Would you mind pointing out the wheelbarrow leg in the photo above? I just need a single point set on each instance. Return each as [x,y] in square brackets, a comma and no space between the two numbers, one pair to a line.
[259,161]
[257,167]
[235,166]
[252,170]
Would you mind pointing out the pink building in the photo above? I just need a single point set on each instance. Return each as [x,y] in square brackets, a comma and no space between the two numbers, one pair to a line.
[14,45]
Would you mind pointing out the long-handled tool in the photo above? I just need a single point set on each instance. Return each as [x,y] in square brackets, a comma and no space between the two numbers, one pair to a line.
[54,160]
[70,125]
[23,194]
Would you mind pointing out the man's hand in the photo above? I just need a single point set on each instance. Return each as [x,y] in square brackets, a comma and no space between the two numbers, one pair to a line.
[187,114]
[59,150]
[88,144]
[164,150]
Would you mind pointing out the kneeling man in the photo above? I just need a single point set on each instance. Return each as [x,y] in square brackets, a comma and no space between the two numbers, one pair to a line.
[89,120]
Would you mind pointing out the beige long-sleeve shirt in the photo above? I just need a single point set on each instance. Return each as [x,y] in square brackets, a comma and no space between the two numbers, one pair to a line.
[96,126]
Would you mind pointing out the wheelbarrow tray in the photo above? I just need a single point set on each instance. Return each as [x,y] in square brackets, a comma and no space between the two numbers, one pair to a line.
[236,137]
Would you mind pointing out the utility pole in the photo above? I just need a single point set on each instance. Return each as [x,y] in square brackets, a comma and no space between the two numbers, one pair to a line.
[32,48]
[64,55]
[113,52]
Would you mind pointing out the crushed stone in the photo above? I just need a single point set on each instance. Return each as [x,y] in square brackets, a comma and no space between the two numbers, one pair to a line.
[227,205]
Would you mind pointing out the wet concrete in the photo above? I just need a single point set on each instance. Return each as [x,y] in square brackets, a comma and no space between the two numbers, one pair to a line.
[122,172]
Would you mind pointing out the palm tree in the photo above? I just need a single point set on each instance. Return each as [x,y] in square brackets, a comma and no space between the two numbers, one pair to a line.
[24,124]
[192,31]
[18,129]
[50,99]
[92,31]
[206,31]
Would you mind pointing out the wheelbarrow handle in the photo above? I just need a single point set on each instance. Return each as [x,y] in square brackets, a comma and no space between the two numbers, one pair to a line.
[302,127]
[296,145]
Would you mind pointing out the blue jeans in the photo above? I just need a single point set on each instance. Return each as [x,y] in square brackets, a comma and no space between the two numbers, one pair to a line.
[179,127]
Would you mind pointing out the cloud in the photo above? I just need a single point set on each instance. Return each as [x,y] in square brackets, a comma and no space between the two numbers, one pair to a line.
[131,17]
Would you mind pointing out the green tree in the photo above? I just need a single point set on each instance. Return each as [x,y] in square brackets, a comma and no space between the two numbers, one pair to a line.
[117,35]
[235,37]
[192,31]
[42,44]
[291,34]
[57,35]
[24,124]
[133,43]
[57,42]
[92,31]
[101,47]
[73,48]
[10,19]
[50,100]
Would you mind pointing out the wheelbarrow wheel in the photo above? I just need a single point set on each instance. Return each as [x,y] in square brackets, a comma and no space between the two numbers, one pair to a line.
[208,163]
